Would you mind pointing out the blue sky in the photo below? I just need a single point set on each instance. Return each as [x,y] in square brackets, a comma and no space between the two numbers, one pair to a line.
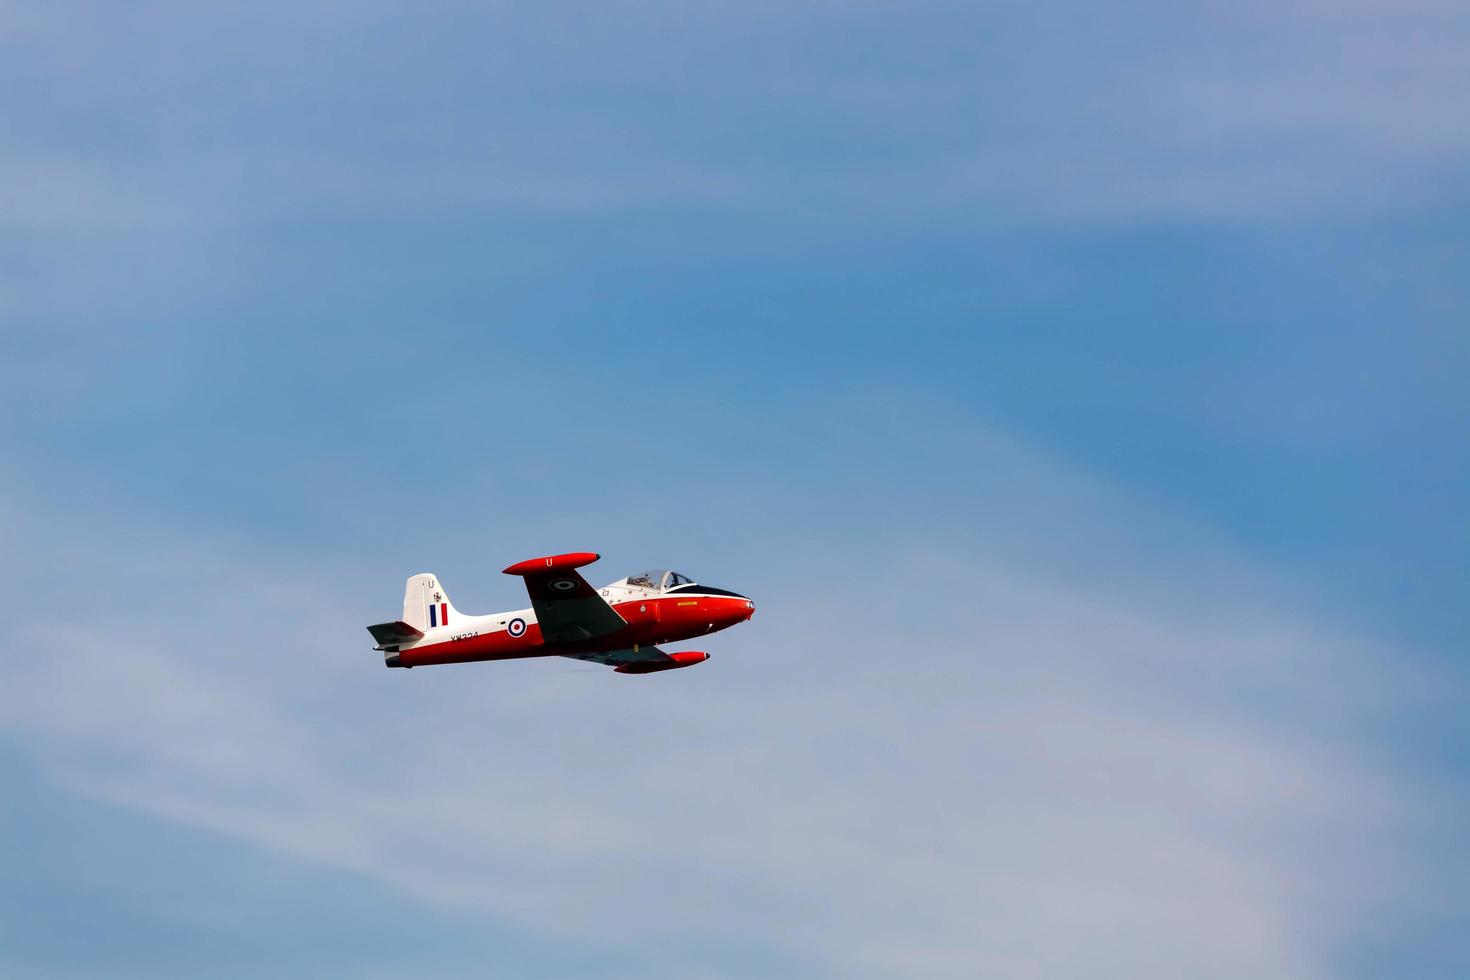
[1080,393]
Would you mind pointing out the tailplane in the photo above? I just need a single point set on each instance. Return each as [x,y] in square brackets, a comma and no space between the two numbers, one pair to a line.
[426,605]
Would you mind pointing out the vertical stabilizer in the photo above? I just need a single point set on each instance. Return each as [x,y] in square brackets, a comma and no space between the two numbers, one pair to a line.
[426,605]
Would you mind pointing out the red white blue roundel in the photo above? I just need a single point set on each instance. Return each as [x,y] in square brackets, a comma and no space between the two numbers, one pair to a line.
[517,627]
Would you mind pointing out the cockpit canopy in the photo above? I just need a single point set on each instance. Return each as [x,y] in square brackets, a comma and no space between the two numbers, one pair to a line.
[661,580]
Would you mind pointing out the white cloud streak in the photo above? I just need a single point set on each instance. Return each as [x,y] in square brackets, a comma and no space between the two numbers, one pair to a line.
[924,766]
[1220,112]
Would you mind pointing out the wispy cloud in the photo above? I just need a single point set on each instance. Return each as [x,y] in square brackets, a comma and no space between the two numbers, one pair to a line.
[1207,113]
[926,765]
[997,714]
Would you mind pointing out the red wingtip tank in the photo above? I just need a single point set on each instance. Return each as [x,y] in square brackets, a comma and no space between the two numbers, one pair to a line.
[684,659]
[532,566]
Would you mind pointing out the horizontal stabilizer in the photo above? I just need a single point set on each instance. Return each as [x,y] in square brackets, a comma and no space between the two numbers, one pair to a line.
[394,634]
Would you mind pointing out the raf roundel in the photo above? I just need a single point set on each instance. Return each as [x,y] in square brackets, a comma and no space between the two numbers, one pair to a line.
[622,624]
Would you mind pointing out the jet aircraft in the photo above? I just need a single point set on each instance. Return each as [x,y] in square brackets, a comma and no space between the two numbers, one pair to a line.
[619,625]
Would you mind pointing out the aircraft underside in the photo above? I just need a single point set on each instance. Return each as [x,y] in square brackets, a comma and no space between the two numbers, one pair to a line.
[619,625]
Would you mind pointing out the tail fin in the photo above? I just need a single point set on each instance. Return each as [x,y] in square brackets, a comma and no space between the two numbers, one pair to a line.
[425,604]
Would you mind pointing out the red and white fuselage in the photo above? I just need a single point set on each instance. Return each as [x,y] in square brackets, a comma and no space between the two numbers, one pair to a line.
[620,624]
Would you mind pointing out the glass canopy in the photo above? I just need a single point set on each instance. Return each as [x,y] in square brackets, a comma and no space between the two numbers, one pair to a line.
[662,580]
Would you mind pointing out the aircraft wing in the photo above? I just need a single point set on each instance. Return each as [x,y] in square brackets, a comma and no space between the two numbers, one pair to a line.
[567,608]
[617,658]
[643,660]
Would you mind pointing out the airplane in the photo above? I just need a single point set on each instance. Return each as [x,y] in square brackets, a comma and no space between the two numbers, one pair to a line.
[619,625]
